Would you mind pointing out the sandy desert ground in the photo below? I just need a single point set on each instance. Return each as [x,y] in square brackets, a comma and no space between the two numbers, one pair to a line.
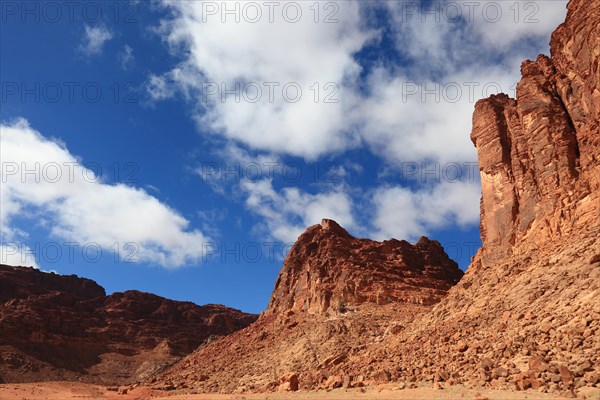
[70,390]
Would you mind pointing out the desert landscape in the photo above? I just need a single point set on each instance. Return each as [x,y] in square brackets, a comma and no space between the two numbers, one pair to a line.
[355,318]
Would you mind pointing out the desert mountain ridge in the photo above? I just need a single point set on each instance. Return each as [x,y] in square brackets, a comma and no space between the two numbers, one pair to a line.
[57,327]
[327,266]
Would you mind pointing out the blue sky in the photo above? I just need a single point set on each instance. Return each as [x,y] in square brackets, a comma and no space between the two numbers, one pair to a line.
[167,147]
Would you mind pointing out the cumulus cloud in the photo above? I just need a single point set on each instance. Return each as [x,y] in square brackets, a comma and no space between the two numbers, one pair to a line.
[275,86]
[388,211]
[414,104]
[501,24]
[94,39]
[455,53]
[288,212]
[82,208]
[474,48]
[450,36]
[408,120]
[407,214]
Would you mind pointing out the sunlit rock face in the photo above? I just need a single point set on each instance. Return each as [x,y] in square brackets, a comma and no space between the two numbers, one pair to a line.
[539,153]
[327,266]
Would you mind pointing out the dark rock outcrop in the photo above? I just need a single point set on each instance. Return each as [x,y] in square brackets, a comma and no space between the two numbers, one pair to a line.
[65,327]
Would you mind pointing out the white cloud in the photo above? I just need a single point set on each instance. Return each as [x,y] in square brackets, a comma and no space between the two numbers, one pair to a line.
[17,255]
[158,88]
[261,54]
[428,120]
[423,110]
[126,57]
[406,214]
[289,212]
[438,48]
[84,209]
[501,24]
[232,165]
[479,57]
[94,40]
[485,33]
[387,211]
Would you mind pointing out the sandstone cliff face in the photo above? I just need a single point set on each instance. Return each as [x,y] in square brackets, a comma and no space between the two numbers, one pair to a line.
[327,267]
[335,296]
[538,154]
[65,327]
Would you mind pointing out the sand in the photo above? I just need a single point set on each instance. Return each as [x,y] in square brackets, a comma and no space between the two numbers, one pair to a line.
[71,390]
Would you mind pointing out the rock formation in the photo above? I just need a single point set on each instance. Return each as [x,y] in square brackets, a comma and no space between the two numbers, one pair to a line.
[347,312]
[335,296]
[65,327]
[539,153]
[327,266]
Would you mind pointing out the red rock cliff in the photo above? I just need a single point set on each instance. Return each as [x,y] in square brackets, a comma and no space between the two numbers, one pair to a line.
[539,153]
[526,314]
[327,266]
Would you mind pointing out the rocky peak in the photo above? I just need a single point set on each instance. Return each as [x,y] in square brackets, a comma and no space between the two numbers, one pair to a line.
[328,267]
[330,226]
[22,282]
[335,296]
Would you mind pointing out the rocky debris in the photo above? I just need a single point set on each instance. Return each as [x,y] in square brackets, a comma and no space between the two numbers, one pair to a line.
[65,327]
[335,296]
[289,383]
